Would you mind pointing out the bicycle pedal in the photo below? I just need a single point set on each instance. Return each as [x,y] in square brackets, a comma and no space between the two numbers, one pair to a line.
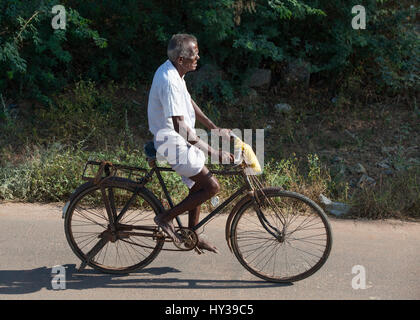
[199,251]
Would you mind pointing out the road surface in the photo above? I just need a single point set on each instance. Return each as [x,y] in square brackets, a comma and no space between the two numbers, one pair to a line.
[369,260]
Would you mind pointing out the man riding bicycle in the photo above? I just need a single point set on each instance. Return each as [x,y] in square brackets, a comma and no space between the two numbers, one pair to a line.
[171,115]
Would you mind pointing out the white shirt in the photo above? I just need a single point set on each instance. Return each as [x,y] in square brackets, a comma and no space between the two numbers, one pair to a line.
[169,97]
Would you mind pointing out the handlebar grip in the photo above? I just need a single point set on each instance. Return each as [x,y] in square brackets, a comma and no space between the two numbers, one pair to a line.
[233,135]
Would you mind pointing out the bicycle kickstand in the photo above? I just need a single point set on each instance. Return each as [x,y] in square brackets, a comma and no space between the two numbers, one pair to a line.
[82,266]
[92,253]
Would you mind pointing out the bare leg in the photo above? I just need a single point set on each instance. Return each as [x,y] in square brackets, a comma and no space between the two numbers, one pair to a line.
[206,186]
[194,218]
[194,214]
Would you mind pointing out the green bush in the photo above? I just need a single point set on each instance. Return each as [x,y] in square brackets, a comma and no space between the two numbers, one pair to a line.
[390,198]
[36,60]
[49,175]
[84,116]
[52,174]
[126,40]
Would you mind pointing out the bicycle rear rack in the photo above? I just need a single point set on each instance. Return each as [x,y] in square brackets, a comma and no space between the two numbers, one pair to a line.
[95,171]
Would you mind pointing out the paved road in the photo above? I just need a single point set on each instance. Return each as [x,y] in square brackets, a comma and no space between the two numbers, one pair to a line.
[32,242]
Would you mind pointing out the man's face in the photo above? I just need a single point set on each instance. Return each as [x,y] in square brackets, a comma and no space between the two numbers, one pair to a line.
[190,63]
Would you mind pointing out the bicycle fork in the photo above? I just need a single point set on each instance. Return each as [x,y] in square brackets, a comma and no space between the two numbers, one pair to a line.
[276,233]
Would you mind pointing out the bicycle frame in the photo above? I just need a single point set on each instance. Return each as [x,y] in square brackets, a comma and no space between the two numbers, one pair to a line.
[240,191]
[105,168]
[246,187]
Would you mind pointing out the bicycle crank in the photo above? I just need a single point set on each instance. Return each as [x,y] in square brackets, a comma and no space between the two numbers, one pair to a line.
[189,239]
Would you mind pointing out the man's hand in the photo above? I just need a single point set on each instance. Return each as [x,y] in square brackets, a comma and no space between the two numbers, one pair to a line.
[224,133]
[226,157]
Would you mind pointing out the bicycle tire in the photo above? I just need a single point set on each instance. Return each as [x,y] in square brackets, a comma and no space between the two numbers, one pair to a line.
[90,199]
[265,241]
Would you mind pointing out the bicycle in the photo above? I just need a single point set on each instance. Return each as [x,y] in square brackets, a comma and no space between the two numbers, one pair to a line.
[277,235]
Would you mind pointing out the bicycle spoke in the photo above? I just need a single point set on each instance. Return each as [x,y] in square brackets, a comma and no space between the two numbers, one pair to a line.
[258,252]
[93,213]
[294,250]
[119,249]
[270,256]
[84,215]
[84,243]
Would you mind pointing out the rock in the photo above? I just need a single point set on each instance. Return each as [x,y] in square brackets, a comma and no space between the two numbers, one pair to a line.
[365,180]
[283,108]
[207,73]
[249,108]
[353,183]
[252,94]
[351,135]
[384,164]
[359,168]
[387,150]
[249,96]
[399,166]
[297,72]
[324,200]
[259,78]
[414,161]
[337,159]
[389,172]
[338,169]
[335,208]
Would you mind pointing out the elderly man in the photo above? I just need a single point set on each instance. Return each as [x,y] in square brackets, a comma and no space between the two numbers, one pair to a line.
[171,115]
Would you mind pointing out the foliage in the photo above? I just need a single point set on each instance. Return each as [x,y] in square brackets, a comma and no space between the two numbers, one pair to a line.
[126,40]
[51,174]
[36,60]
[396,198]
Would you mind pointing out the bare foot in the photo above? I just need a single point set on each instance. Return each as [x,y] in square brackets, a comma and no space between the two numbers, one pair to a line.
[205,244]
[168,228]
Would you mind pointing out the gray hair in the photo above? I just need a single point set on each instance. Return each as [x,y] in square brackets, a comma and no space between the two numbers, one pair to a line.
[178,46]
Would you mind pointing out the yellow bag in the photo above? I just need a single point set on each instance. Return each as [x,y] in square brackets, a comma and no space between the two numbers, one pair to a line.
[250,158]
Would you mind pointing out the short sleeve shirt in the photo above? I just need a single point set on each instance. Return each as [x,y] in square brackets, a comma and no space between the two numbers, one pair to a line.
[169,97]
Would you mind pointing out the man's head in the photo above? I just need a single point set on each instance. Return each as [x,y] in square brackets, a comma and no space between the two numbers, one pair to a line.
[183,52]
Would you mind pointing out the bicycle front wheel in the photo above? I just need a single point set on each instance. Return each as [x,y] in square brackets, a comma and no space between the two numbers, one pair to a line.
[285,237]
[113,246]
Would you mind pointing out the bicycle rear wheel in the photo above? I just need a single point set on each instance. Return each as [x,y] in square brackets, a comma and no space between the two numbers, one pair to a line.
[289,241]
[108,246]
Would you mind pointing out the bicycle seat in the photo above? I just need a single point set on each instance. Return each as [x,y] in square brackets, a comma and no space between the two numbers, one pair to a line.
[149,149]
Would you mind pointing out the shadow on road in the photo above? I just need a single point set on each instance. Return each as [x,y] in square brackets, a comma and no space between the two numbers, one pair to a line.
[29,281]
